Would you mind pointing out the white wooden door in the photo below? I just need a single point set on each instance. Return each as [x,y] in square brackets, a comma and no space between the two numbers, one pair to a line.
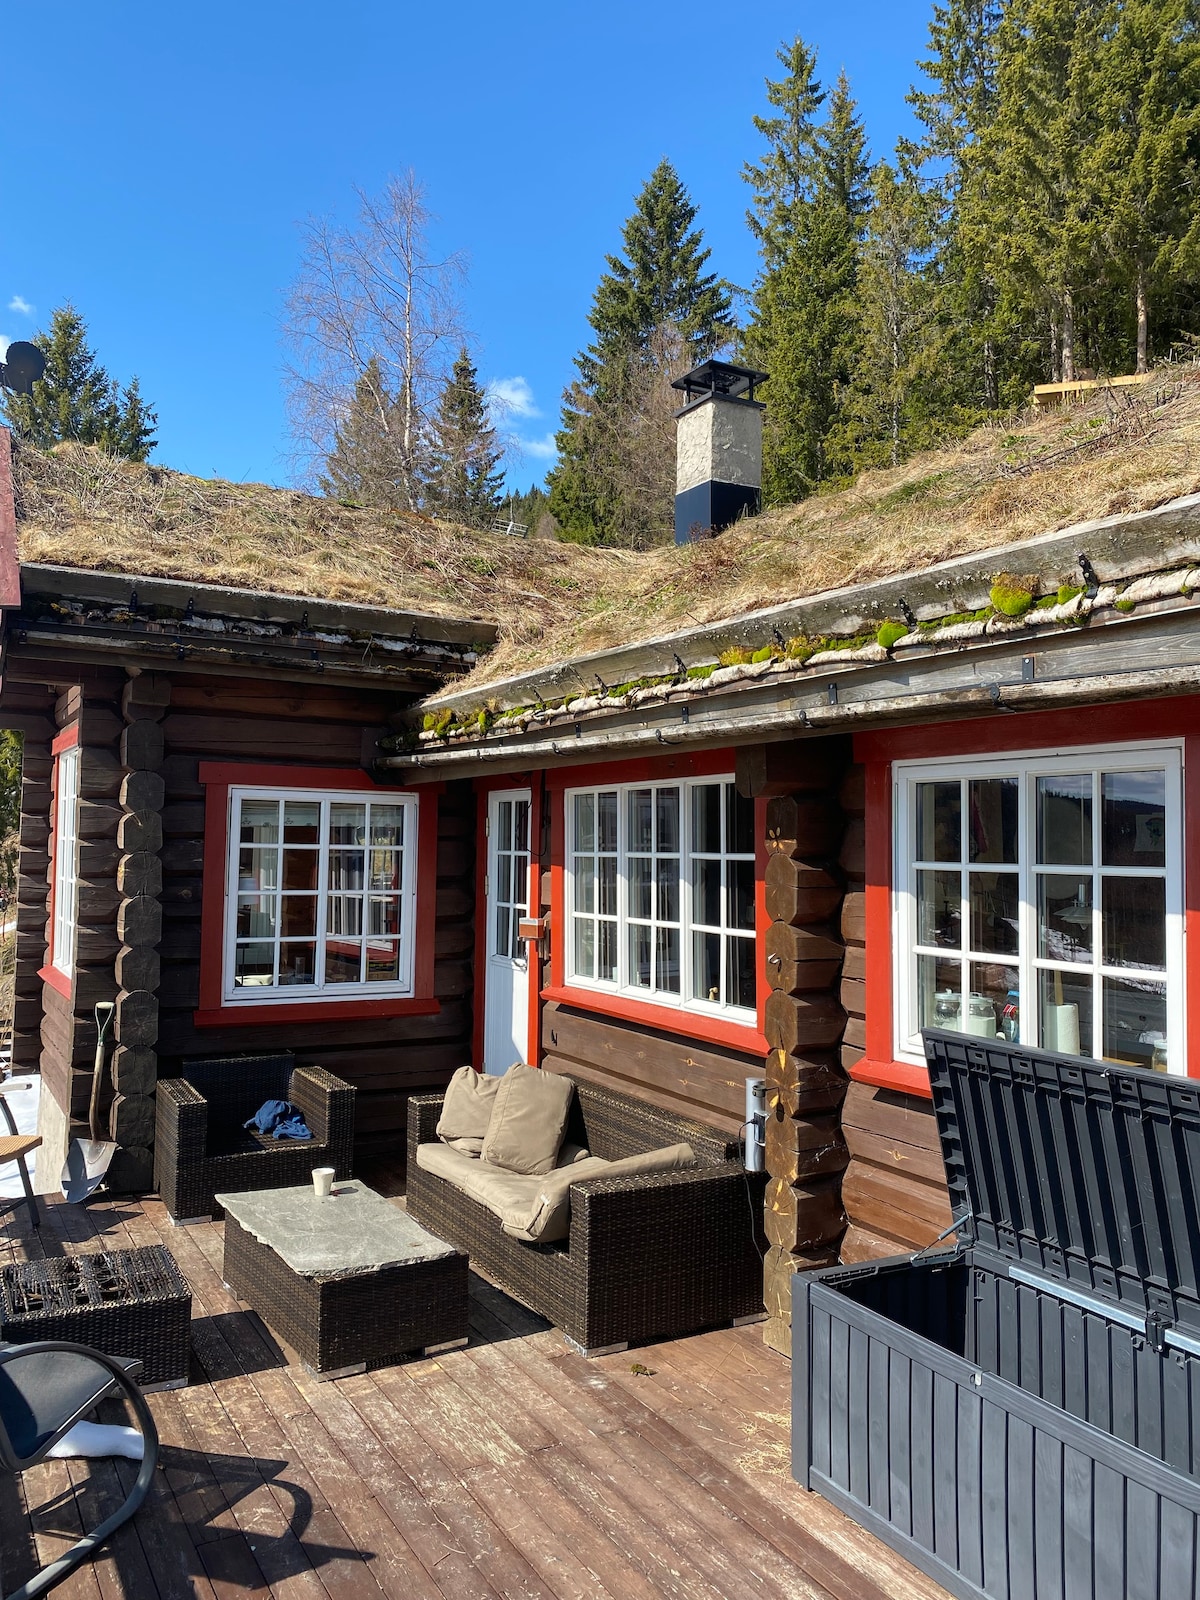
[506,998]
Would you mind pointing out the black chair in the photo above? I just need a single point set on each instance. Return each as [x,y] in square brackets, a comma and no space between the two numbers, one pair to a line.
[45,1389]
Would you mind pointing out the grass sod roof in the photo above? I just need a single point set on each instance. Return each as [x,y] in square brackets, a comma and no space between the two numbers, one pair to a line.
[1118,451]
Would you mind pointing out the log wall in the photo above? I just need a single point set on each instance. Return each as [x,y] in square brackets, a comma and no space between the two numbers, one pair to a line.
[802,962]
[387,1059]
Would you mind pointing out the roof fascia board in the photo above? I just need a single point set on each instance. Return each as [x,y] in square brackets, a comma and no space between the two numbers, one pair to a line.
[80,583]
[1128,545]
[1159,645]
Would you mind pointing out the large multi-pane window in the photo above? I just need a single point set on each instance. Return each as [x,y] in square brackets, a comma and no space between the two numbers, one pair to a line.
[661,892]
[1040,900]
[320,895]
[66,856]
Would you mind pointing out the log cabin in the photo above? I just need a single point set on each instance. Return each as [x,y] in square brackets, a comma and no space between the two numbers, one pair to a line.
[774,844]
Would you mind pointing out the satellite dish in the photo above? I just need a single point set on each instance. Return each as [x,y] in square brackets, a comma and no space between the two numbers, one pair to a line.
[22,366]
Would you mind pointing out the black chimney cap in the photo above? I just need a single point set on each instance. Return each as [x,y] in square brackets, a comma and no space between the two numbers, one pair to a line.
[719,377]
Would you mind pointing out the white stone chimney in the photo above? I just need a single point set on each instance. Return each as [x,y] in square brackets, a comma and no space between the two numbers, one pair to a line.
[718,449]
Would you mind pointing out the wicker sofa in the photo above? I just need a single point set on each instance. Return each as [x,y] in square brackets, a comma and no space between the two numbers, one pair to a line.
[652,1256]
[201,1147]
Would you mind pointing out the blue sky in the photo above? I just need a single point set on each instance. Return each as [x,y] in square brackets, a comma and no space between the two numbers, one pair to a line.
[157,159]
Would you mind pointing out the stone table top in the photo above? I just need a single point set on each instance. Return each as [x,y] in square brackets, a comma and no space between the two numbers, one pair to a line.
[355,1230]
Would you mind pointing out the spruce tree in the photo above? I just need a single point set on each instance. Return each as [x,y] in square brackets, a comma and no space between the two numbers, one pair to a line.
[810,200]
[366,465]
[893,405]
[1144,163]
[655,310]
[464,484]
[75,399]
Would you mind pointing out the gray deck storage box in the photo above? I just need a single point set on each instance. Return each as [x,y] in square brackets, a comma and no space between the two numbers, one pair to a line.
[1019,1414]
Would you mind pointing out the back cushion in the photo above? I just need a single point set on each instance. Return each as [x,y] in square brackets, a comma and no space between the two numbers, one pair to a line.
[529,1120]
[467,1109]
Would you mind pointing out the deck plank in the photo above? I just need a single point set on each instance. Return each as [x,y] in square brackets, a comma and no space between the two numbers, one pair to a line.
[513,1469]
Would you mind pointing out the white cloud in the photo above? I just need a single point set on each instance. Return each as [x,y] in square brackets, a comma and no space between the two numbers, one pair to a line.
[513,396]
[20,306]
[543,449]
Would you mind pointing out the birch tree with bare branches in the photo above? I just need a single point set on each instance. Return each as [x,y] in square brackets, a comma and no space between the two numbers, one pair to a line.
[372,324]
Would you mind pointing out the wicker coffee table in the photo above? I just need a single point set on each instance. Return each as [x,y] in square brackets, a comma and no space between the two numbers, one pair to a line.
[348,1281]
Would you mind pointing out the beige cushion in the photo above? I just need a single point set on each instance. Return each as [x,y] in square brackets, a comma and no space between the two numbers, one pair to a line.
[467,1109]
[470,1147]
[550,1218]
[529,1119]
[570,1154]
[500,1191]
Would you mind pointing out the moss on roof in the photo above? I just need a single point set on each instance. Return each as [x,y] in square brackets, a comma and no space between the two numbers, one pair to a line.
[1120,451]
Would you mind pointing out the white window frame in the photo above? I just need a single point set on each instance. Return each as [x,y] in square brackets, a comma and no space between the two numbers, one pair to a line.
[66,860]
[320,991]
[684,1000]
[1027,766]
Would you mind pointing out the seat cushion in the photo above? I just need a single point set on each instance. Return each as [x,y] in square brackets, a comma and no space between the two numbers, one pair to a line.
[550,1217]
[467,1109]
[528,1122]
[502,1192]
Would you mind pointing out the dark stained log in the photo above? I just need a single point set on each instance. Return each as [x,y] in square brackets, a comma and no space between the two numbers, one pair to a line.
[855,963]
[455,858]
[97,902]
[137,1018]
[139,921]
[183,818]
[801,1148]
[100,725]
[799,1023]
[181,891]
[180,772]
[852,859]
[179,1035]
[906,1118]
[139,873]
[853,791]
[142,746]
[453,939]
[134,1069]
[183,855]
[90,985]
[790,765]
[800,959]
[139,830]
[98,818]
[147,695]
[454,900]
[96,945]
[802,825]
[131,1119]
[34,830]
[855,1035]
[895,1155]
[798,1086]
[138,968]
[803,1216]
[854,917]
[279,701]
[142,791]
[179,984]
[452,979]
[270,738]
[798,892]
[132,1170]
[100,772]
[97,858]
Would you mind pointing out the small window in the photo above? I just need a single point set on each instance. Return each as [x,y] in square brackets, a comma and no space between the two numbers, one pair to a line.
[66,855]
[320,897]
[661,896]
[1039,899]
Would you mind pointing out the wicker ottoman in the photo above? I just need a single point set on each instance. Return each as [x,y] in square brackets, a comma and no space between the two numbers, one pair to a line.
[124,1302]
[349,1281]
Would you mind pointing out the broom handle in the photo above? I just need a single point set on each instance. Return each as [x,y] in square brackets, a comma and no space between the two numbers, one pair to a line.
[98,1071]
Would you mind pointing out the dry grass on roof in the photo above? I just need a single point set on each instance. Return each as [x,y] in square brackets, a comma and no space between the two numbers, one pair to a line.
[1121,451]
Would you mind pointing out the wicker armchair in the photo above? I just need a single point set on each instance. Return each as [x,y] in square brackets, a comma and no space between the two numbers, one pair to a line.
[201,1147]
[649,1257]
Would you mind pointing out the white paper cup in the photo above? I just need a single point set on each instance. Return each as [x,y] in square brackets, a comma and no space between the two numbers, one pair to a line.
[323,1182]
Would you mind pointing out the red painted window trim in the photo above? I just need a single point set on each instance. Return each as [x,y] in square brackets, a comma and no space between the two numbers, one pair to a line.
[484,789]
[1140,721]
[218,778]
[63,984]
[668,1019]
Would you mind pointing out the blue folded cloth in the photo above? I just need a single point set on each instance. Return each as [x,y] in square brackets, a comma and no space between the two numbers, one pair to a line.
[281,1119]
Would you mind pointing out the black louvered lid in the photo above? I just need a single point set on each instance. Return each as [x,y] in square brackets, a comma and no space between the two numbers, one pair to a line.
[1079,1170]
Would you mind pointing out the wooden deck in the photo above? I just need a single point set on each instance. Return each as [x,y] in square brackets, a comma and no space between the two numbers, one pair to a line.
[512,1468]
